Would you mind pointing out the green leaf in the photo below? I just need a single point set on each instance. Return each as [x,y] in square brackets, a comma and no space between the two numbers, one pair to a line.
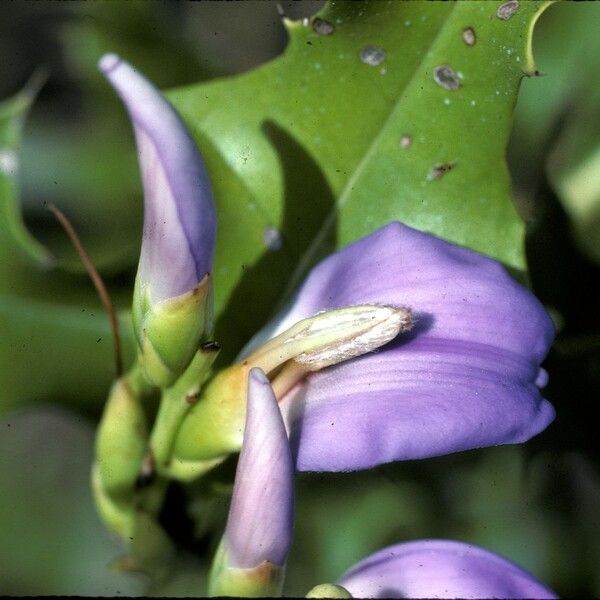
[12,230]
[313,142]
[56,342]
[56,353]
[49,350]
[567,32]
[313,138]
[26,266]
[574,170]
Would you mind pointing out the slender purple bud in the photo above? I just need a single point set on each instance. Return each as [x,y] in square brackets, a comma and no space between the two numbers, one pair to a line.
[179,217]
[260,521]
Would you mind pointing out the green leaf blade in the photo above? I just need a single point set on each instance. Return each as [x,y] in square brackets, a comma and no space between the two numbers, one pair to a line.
[13,234]
[348,116]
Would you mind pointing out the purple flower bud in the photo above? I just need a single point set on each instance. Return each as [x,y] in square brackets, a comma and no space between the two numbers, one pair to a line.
[260,521]
[179,217]
[440,569]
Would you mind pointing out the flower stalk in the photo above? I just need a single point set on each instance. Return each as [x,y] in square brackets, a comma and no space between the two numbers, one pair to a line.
[175,402]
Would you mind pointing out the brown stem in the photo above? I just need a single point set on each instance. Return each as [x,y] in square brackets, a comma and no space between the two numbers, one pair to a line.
[96,280]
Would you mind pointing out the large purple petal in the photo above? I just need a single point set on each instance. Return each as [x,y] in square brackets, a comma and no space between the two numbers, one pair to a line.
[440,569]
[260,521]
[465,377]
[179,218]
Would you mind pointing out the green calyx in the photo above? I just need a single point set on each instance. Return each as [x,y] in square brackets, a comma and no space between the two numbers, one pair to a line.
[214,426]
[328,590]
[117,514]
[121,440]
[121,444]
[169,331]
[263,580]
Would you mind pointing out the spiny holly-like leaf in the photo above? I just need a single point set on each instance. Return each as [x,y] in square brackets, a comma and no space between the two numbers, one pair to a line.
[318,148]
[566,33]
[376,111]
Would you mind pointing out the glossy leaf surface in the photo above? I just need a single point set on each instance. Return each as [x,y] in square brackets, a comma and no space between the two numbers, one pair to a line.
[350,129]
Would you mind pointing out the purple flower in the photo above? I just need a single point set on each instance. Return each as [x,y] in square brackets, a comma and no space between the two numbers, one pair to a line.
[179,218]
[462,373]
[440,569]
[253,552]
[466,375]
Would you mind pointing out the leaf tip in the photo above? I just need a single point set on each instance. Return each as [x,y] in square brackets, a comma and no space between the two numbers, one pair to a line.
[529,67]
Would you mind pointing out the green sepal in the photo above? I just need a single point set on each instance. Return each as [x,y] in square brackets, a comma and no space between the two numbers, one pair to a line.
[214,426]
[121,440]
[169,331]
[263,580]
[151,550]
[328,590]
[117,514]
[188,470]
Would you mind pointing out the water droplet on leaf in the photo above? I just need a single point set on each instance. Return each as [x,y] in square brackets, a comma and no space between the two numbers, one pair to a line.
[272,238]
[406,141]
[372,55]
[507,10]
[468,36]
[323,27]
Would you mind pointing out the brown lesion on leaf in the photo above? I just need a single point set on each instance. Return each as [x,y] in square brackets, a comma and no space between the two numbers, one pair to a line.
[439,170]
[445,76]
